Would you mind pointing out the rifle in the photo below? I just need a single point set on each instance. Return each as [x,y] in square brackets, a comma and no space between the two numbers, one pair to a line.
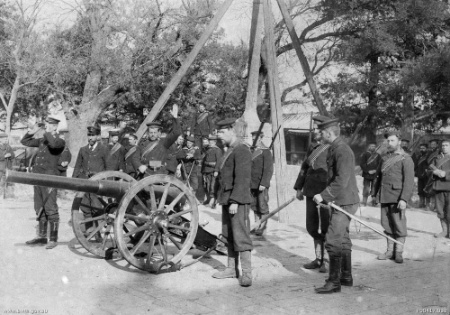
[258,133]
[274,136]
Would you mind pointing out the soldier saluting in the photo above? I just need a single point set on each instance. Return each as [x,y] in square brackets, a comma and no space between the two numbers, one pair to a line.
[50,148]
[342,190]
[394,187]
[262,171]
[235,197]
[154,149]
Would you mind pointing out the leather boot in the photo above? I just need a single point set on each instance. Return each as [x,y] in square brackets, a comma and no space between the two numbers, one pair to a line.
[333,283]
[316,263]
[364,201]
[444,232]
[325,266]
[42,234]
[389,252]
[346,269]
[53,235]
[246,263]
[399,250]
[231,270]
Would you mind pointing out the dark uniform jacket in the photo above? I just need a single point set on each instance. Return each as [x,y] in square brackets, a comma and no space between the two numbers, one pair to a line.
[341,184]
[90,162]
[211,161]
[442,162]
[47,157]
[171,159]
[65,156]
[132,159]
[432,156]
[313,173]
[116,157]
[202,124]
[234,175]
[369,162]
[420,165]
[4,162]
[157,150]
[262,167]
[395,178]
[190,164]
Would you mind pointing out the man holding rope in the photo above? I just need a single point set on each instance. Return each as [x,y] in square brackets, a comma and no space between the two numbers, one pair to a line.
[341,189]
[394,187]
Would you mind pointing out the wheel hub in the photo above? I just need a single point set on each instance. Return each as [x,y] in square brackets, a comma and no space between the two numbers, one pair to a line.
[159,220]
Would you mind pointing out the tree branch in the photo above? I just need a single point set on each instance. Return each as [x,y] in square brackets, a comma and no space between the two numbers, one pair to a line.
[2,97]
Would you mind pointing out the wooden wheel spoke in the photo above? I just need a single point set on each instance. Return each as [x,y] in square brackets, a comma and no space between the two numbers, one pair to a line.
[97,229]
[176,215]
[103,202]
[150,250]
[162,246]
[173,226]
[135,217]
[143,206]
[152,197]
[162,202]
[172,239]
[141,241]
[174,202]
[93,219]
[141,228]
[91,207]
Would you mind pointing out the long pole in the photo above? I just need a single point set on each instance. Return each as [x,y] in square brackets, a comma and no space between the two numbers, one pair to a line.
[176,79]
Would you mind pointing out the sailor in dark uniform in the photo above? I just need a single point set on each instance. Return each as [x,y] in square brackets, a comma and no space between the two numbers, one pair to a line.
[342,190]
[210,166]
[154,149]
[369,165]
[420,171]
[66,155]
[235,198]
[202,125]
[189,157]
[46,162]
[132,156]
[116,154]
[262,171]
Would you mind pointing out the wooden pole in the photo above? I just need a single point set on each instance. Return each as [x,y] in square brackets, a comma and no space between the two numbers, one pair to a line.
[249,120]
[301,56]
[184,68]
[279,150]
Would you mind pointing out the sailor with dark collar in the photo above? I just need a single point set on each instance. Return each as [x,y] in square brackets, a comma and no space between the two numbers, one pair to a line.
[116,154]
[202,125]
[132,156]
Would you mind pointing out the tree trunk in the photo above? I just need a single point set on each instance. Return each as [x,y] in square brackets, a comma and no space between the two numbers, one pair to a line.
[407,130]
[11,103]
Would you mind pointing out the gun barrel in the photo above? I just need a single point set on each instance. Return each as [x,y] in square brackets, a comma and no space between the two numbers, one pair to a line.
[107,188]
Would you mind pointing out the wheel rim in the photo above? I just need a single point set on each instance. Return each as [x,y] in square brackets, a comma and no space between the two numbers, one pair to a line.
[161,215]
[96,233]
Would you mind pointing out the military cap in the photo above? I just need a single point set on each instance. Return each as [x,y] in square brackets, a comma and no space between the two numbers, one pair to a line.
[321,118]
[41,125]
[226,123]
[190,138]
[328,123]
[212,137]
[423,145]
[132,135]
[261,134]
[113,133]
[396,133]
[93,130]
[154,124]
[52,120]
[63,130]
[435,140]
[406,140]
[3,135]
[371,142]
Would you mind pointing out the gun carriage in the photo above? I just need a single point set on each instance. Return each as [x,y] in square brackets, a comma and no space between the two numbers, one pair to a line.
[153,222]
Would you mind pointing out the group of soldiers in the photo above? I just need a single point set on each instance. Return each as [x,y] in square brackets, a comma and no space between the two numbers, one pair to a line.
[238,178]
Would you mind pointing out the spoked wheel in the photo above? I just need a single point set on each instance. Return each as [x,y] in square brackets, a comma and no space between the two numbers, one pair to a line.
[93,216]
[161,216]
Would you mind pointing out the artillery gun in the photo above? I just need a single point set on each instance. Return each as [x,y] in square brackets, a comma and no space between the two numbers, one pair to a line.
[152,222]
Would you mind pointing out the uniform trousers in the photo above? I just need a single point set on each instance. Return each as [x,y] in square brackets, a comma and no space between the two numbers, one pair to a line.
[337,239]
[48,196]
[392,220]
[236,228]
[367,186]
[312,219]
[443,205]
[421,183]
[260,201]
[210,184]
